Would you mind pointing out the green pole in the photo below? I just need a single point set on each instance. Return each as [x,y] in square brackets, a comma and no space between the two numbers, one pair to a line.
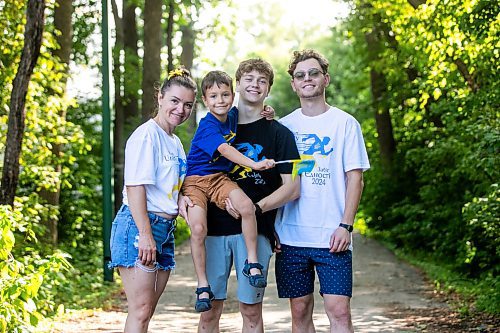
[106,144]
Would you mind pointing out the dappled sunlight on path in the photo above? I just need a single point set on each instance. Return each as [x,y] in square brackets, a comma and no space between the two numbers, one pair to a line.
[383,285]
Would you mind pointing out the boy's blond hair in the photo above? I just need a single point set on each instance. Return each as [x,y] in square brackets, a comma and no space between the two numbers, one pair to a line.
[258,65]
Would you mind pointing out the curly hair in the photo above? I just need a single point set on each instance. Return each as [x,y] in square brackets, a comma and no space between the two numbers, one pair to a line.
[299,56]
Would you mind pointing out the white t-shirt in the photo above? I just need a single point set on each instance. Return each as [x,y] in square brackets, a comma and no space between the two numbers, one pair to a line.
[158,161]
[335,141]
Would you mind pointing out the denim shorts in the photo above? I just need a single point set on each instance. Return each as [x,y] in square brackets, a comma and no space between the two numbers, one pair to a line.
[295,271]
[221,252]
[125,237]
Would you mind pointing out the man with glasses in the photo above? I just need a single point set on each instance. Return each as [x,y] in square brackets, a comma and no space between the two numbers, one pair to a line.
[315,231]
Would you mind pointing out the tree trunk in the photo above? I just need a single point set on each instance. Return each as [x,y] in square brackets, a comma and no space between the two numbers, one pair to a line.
[35,21]
[151,62]
[187,56]
[127,107]
[62,22]
[118,121]
[462,68]
[379,88]
[187,44]
[416,3]
[170,34]
[131,83]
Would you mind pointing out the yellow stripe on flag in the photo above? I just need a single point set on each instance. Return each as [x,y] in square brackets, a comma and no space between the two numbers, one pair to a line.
[306,164]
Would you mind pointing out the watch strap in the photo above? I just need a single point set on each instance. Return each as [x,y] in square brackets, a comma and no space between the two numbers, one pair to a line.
[258,210]
[348,227]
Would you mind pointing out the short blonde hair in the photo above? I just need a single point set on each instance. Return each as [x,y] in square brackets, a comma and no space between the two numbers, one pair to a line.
[258,65]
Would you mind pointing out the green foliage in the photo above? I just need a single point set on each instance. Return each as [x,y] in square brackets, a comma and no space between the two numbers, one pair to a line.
[482,217]
[80,224]
[182,232]
[440,66]
[80,229]
[282,98]
[36,278]
[24,285]
[86,20]
[439,196]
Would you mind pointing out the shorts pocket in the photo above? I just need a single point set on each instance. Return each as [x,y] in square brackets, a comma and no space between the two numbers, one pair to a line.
[113,233]
[163,233]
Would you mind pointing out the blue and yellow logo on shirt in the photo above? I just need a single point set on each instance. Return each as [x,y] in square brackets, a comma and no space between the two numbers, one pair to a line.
[309,144]
[180,180]
[230,137]
[250,151]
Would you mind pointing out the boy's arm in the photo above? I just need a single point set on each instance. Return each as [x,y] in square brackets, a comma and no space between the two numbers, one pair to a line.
[235,156]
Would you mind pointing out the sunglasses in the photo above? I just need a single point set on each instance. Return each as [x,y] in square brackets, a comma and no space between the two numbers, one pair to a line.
[313,74]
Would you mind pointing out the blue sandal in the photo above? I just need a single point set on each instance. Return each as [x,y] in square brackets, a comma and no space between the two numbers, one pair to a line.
[203,304]
[257,280]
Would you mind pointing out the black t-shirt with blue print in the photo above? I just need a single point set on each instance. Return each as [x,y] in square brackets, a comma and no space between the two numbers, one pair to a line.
[258,140]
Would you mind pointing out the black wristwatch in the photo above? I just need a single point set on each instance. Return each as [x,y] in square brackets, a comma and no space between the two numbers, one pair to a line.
[258,210]
[348,227]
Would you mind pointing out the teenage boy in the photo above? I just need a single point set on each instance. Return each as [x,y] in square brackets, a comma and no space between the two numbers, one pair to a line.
[258,139]
[315,231]
[210,158]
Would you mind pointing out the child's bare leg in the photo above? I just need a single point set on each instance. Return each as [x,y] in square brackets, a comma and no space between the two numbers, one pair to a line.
[198,224]
[242,203]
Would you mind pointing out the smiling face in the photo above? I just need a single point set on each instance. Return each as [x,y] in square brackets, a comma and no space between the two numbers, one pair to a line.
[218,99]
[253,87]
[175,105]
[307,86]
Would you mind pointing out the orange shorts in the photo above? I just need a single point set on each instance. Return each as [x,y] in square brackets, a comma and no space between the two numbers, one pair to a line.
[210,188]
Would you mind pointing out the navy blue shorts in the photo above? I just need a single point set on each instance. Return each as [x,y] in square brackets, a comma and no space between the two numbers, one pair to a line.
[295,271]
[125,237]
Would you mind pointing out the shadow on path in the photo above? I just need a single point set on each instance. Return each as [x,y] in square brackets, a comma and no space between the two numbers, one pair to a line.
[383,285]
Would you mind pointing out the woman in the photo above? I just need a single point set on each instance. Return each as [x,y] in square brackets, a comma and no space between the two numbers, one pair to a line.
[142,234]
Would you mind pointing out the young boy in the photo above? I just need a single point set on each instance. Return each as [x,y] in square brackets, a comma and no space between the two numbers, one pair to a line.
[210,158]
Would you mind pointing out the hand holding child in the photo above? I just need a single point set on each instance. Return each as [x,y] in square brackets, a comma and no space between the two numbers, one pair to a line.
[268,112]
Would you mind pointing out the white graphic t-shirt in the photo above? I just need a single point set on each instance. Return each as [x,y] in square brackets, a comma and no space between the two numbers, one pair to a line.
[156,160]
[335,141]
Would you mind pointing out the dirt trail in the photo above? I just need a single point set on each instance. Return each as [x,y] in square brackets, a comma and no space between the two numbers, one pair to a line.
[386,291]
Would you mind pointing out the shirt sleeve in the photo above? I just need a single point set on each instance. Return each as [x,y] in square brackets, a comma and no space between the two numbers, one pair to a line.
[210,138]
[140,162]
[354,155]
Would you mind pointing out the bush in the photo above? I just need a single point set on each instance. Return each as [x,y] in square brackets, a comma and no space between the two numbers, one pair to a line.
[23,300]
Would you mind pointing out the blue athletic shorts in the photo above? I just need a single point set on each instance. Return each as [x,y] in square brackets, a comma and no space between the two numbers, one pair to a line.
[125,237]
[295,271]
[221,251]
